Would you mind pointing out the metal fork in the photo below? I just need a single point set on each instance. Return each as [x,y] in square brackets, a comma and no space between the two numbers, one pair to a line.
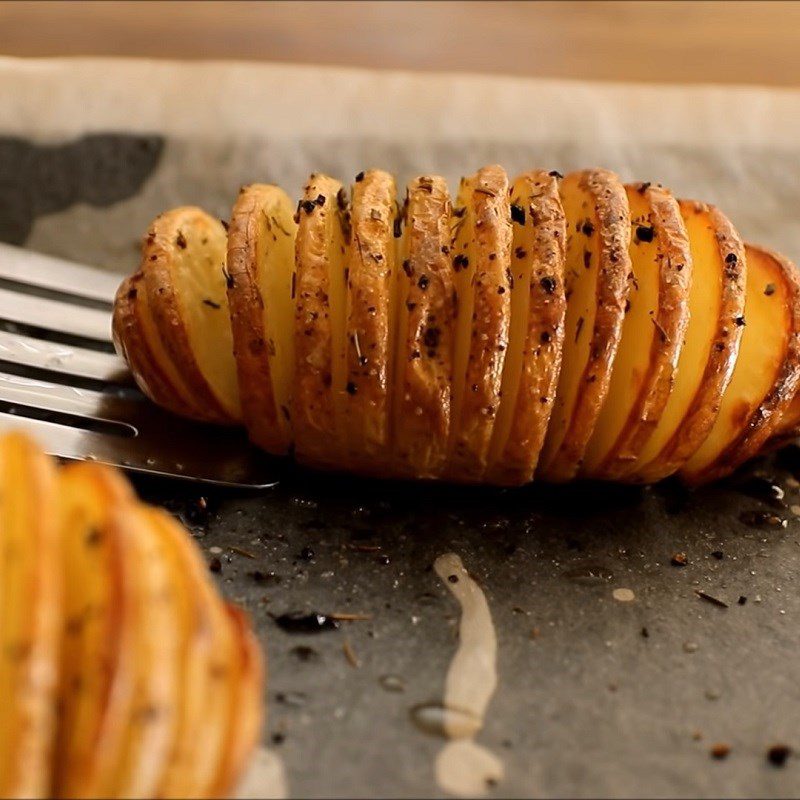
[61,381]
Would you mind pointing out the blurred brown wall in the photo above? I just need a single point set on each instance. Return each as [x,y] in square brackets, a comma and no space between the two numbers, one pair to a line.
[747,42]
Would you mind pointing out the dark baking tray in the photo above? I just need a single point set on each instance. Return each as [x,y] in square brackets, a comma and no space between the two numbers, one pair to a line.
[595,697]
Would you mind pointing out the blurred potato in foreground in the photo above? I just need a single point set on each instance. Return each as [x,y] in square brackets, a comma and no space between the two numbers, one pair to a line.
[123,672]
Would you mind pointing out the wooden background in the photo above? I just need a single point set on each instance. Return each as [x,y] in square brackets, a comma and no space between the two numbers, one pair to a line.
[728,42]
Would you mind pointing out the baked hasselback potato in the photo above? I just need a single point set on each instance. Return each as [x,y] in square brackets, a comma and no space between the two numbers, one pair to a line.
[542,327]
[123,673]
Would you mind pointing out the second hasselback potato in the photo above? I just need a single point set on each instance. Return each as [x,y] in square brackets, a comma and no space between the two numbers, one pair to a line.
[546,326]
[123,672]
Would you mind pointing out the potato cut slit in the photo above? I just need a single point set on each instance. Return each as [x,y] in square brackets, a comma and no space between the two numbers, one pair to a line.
[652,334]
[483,322]
[597,284]
[424,300]
[261,246]
[188,275]
[523,252]
[748,405]
[536,335]
[370,319]
[710,348]
[463,253]
[317,414]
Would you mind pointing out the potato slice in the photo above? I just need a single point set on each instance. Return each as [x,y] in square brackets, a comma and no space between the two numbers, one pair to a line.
[139,343]
[209,651]
[149,733]
[30,617]
[183,261]
[536,333]
[319,375]
[598,270]
[369,342]
[425,331]
[711,344]
[96,674]
[261,244]
[652,334]
[483,287]
[766,374]
[246,717]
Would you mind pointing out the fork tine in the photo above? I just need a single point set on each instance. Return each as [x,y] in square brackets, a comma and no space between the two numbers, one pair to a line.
[55,315]
[65,359]
[92,405]
[77,398]
[56,274]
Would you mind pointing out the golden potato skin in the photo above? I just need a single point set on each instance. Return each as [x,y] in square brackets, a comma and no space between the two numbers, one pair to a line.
[612,218]
[670,321]
[140,345]
[255,228]
[426,312]
[544,336]
[174,236]
[392,377]
[315,421]
[369,338]
[30,617]
[471,432]
[765,419]
[702,412]
[108,614]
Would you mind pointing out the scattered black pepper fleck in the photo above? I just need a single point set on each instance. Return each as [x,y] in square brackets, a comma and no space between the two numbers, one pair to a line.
[731,258]
[452,578]
[740,321]
[545,337]
[359,177]
[215,565]
[645,633]
[718,554]
[520,252]
[460,262]
[351,388]
[423,282]
[180,240]
[211,303]
[769,289]
[778,754]
[307,554]
[548,284]
[517,214]
[587,229]
[645,233]
[742,600]
[554,173]
[308,205]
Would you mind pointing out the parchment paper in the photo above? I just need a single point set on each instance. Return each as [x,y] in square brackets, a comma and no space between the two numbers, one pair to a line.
[165,133]
[91,150]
